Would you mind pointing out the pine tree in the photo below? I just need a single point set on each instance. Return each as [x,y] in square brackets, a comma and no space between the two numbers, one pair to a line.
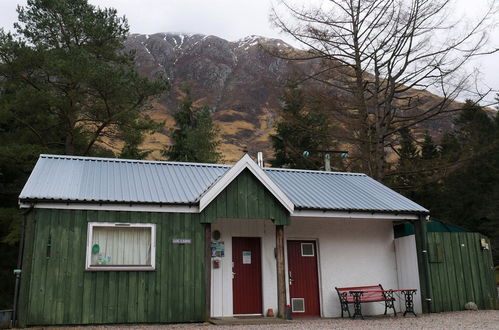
[408,150]
[303,126]
[407,164]
[195,139]
[429,149]
[67,86]
[467,193]
[66,77]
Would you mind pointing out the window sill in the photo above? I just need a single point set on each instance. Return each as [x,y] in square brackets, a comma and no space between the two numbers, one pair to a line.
[120,269]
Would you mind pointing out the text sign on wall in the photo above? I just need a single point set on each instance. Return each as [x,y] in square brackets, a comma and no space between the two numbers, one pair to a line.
[181,241]
[247,257]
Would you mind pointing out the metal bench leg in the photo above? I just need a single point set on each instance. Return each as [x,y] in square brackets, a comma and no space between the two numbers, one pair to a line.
[344,304]
[344,308]
[389,302]
[409,302]
[356,304]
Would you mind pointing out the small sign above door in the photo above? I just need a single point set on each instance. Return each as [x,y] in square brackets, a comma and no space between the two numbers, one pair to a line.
[246,257]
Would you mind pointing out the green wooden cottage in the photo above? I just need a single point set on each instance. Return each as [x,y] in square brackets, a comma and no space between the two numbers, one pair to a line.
[127,241]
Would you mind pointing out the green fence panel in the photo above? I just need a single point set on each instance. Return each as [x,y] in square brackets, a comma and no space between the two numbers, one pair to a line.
[461,271]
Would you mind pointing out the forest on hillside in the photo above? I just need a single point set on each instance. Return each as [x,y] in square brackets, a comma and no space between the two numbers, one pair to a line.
[69,86]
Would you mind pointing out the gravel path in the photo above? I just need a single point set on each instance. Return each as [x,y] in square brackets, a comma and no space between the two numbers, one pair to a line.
[451,320]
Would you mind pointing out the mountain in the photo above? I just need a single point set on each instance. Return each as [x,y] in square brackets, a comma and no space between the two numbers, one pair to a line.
[240,81]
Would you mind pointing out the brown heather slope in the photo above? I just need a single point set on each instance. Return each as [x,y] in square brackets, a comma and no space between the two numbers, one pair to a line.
[239,81]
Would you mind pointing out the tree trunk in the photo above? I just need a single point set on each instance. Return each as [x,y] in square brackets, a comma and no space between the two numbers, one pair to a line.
[380,159]
[69,147]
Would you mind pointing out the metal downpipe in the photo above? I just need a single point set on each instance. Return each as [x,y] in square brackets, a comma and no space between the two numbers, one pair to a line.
[17,271]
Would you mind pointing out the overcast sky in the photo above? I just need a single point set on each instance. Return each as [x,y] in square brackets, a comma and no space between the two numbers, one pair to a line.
[229,19]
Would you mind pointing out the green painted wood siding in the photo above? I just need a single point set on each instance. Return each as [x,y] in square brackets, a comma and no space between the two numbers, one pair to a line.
[246,198]
[460,272]
[58,290]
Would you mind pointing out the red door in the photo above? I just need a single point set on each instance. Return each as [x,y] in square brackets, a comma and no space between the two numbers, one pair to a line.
[247,275]
[303,279]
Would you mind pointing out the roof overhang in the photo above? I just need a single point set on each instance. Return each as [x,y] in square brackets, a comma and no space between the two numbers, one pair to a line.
[107,206]
[353,215]
[184,208]
[245,163]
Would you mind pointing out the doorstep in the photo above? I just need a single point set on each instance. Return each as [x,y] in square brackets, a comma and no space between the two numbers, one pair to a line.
[246,320]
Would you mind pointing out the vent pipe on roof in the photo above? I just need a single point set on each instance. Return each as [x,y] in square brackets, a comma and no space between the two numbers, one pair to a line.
[327,162]
[260,159]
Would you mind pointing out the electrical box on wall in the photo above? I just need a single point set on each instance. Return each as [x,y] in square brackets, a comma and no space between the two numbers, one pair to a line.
[483,244]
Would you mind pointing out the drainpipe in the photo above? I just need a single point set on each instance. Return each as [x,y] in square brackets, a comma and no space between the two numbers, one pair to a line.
[207,272]
[17,271]
[423,263]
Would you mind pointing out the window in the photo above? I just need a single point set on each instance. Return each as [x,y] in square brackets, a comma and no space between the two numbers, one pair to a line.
[121,246]
[307,250]
[298,305]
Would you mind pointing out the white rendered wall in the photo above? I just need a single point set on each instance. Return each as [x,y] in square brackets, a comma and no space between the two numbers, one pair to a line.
[407,268]
[221,278]
[352,252]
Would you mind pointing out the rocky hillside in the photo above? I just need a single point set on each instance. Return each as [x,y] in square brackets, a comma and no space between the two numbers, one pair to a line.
[240,81]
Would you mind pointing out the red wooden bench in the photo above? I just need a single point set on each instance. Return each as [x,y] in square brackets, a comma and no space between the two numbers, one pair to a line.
[363,294]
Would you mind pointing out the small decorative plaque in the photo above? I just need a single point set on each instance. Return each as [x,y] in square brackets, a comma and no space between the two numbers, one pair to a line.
[181,241]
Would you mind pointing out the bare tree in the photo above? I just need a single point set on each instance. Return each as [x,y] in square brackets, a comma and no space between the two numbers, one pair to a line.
[379,53]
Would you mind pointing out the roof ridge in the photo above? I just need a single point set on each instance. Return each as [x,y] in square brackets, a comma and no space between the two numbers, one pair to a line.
[313,171]
[123,160]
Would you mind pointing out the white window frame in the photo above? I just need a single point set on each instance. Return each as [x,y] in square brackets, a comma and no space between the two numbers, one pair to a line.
[293,305]
[313,249]
[88,258]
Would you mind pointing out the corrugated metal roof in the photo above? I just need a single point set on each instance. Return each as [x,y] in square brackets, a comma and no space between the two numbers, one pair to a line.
[88,179]
[339,191]
[118,180]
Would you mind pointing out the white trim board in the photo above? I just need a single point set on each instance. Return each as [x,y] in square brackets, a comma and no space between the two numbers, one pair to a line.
[351,215]
[245,163]
[113,207]
[195,209]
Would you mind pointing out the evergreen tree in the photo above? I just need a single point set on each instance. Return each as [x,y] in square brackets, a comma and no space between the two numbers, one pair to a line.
[408,150]
[429,149]
[195,139]
[407,163]
[303,126]
[467,193]
[66,77]
[67,86]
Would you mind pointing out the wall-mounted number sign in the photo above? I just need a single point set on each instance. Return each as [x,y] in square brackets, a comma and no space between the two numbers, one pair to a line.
[181,241]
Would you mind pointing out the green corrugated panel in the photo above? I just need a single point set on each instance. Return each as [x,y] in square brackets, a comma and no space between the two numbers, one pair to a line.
[463,275]
[434,226]
[60,291]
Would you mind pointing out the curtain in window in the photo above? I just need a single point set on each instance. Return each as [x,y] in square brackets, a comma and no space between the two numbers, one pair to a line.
[121,246]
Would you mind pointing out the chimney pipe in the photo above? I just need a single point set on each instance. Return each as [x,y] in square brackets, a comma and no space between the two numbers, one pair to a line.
[260,159]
